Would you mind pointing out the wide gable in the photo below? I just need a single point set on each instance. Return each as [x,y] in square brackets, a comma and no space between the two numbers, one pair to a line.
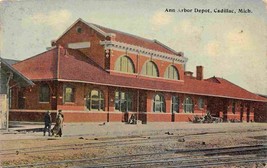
[127,38]
[137,41]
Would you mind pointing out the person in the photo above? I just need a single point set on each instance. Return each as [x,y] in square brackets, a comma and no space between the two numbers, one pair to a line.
[132,119]
[47,122]
[57,130]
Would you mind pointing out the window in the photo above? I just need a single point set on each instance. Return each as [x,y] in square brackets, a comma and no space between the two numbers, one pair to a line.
[95,100]
[171,73]
[175,104]
[123,101]
[200,103]
[150,69]
[159,103]
[124,64]
[79,30]
[68,93]
[233,106]
[44,93]
[188,105]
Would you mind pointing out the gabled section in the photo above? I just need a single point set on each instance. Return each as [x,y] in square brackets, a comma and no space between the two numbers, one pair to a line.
[213,79]
[88,24]
[128,41]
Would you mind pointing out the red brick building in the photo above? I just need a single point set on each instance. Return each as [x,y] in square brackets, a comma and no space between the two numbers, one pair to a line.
[95,73]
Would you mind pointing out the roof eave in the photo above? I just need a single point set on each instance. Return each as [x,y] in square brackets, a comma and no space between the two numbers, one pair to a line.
[24,78]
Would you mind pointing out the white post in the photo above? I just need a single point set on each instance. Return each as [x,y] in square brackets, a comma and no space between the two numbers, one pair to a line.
[7,99]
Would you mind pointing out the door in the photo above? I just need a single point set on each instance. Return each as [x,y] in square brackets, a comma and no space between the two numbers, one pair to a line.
[248,113]
[241,112]
[21,100]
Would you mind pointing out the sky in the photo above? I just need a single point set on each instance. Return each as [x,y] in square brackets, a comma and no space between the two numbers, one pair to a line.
[231,46]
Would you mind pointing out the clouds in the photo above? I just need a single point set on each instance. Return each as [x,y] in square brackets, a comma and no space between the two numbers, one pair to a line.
[187,28]
[1,41]
[265,2]
[57,19]
[161,19]
[213,48]
[228,45]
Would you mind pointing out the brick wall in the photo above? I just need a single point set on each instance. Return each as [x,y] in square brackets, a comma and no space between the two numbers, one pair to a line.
[95,52]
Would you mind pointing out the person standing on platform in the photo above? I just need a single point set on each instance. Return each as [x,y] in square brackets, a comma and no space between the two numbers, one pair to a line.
[47,122]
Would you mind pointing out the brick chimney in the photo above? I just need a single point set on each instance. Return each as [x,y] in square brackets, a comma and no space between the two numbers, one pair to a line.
[199,73]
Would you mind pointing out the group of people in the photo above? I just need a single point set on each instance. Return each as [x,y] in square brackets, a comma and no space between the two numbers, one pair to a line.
[57,129]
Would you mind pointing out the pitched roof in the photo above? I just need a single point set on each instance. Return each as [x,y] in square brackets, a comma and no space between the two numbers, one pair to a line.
[39,67]
[137,41]
[74,66]
[128,38]
[5,66]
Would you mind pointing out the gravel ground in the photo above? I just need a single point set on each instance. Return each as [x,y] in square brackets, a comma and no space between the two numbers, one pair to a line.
[124,145]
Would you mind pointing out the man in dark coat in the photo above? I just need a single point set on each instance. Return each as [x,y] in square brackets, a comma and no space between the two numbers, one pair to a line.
[47,122]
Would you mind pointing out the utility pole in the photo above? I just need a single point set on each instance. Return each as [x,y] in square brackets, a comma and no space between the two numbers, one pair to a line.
[7,99]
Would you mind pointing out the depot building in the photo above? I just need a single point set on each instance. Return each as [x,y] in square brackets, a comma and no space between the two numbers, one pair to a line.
[96,74]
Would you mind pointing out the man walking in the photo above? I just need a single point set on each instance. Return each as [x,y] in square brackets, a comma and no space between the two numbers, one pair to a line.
[47,122]
[57,130]
[60,119]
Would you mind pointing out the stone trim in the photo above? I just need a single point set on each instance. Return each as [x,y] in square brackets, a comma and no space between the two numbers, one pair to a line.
[144,51]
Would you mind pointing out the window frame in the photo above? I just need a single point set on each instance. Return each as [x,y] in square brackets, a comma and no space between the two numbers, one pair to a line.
[100,99]
[128,100]
[171,75]
[124,64]
[161,102]
[201,103]
[154,67]
[177,102]
[186,104]
[41,93]
[72,95]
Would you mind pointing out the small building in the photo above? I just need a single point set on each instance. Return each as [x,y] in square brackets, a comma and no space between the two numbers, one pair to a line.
[9,78]
[97,74]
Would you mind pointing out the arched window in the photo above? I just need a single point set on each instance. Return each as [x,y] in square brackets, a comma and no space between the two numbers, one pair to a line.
[171,73]
[44,93]
[124,64]
[95,100]
[188,105]
[159,103]
[150,69]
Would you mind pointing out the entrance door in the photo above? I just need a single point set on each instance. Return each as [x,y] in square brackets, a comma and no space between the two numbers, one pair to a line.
[241,112]
[175,107]
[248,113]
[225,108]
[21,100]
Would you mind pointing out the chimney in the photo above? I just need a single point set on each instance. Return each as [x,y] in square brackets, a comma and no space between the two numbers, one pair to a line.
[188,73]
[199,72]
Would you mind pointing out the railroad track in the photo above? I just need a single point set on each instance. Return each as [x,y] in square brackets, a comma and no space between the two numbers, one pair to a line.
[121,141]
[186,158]
[161,157]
